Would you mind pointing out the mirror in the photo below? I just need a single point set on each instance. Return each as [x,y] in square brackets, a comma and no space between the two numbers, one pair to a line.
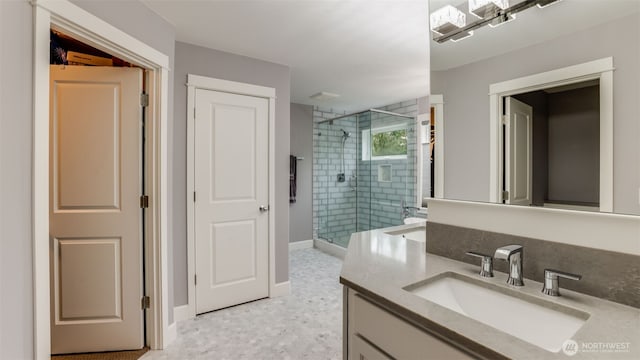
[557,148]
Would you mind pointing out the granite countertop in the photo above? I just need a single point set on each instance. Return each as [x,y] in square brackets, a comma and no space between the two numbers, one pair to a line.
[379,266]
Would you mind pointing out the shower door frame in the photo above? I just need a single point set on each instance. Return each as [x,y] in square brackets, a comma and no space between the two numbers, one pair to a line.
[358,137]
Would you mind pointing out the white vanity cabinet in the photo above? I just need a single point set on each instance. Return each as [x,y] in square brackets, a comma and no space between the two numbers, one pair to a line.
[362,350]
[374,333]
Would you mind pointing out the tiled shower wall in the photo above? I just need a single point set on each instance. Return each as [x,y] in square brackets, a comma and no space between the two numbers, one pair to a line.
[410,107]
[334,203]
[378,203]
[386,197]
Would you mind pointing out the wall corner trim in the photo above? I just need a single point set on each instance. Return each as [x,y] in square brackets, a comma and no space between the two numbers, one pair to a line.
[182,312]
[172,334]
[281,289]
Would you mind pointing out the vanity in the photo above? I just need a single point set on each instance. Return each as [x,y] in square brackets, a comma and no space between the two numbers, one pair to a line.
[401,302]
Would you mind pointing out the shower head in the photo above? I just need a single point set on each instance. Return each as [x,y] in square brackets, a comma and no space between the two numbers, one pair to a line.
[345,134]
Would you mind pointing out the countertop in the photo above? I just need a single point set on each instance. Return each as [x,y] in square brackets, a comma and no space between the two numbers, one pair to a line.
[379,266]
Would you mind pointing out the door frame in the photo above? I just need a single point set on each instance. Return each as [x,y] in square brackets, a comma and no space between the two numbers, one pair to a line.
[84,26]
[436,101]
[195,82]
[602,70]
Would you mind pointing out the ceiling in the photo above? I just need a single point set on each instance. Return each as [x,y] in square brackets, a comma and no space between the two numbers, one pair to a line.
[370,52]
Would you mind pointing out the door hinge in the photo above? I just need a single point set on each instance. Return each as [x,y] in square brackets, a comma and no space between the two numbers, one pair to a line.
[505,119]
[194,113]
[144,99]
[195,279]
[144,201]
[505,195]
[194,196]
[145,302]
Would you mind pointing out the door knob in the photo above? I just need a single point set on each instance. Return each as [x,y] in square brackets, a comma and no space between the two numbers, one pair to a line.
[264,208]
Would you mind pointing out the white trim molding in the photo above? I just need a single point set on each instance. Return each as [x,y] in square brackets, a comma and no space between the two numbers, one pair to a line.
[303,244]
[601,70]
[172,332]
[201,82]
[330,248]
[84,26]
[281,289]
[604,231]
[181,312]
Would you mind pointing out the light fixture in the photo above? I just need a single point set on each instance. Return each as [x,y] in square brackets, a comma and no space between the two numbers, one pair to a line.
[544,3]
[487,8]
[448,22]
[462,36]
[447,19]
[323,95]
[501,20]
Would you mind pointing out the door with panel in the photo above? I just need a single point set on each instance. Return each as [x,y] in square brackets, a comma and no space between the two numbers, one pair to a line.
[95,216]
[231,168]
[518,152]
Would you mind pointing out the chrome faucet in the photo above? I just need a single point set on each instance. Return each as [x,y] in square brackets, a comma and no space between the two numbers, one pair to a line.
[512,254]
[552,283]
[486,266]
[406,209]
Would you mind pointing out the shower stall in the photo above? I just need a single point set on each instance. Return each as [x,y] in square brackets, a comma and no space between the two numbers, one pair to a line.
[364,169]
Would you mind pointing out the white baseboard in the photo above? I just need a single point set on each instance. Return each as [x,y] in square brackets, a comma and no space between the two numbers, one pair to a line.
[329,248]
[281,289]
[181,313]
[171,335]
[297,245]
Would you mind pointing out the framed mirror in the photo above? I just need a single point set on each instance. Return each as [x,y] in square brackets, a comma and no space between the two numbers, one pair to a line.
[541,104]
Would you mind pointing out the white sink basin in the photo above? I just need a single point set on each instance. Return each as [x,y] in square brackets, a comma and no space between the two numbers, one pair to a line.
[533,320]
[416,234]
[414,220]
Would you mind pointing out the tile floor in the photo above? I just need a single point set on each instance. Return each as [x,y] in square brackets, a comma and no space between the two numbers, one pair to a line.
[307,324]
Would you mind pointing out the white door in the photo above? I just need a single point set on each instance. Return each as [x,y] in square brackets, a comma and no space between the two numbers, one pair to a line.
[95,215]
[518,152]
[231,183]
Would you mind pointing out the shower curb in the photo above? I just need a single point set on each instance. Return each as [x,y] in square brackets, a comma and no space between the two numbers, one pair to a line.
[331,249]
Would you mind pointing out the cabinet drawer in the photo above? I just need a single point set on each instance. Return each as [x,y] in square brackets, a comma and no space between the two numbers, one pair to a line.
[362,350]
[397,337]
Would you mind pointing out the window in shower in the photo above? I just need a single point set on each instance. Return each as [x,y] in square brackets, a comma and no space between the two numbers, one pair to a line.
[385,143]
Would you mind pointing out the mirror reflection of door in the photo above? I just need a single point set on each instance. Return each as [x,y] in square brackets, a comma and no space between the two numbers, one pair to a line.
[432,154]
[431,131]
[565,163]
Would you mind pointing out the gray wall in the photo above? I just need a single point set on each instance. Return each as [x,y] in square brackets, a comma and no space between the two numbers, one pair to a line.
[300,212]
[574,143]
[16,295]
[139,21]
[467,106]
[191,59]
[16,103]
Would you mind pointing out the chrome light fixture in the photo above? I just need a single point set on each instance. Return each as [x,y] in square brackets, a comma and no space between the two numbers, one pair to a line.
[447,19]
[544,3]
[486,8]
[449,23]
